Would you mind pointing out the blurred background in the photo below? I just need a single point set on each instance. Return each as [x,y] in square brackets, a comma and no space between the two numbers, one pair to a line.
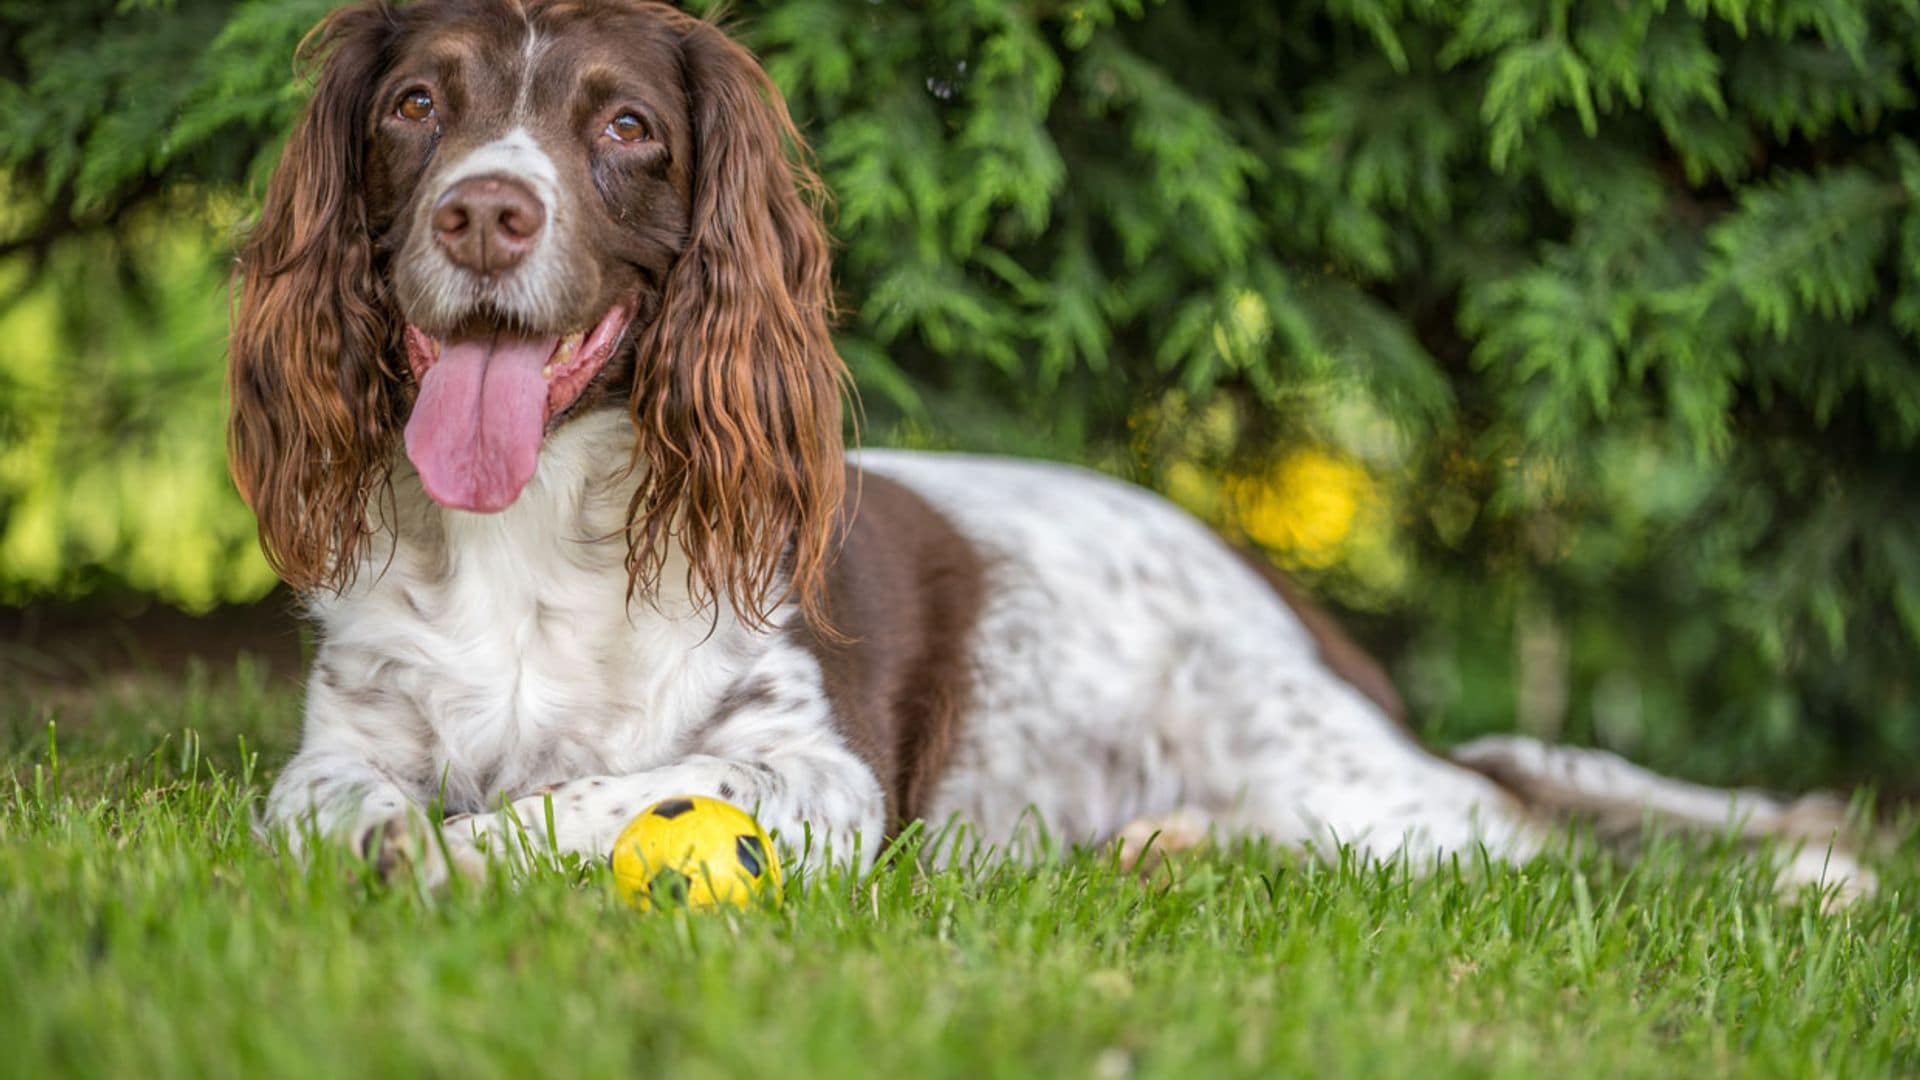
[1567,349]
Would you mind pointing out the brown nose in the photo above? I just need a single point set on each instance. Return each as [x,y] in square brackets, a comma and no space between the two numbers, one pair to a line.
[488,223]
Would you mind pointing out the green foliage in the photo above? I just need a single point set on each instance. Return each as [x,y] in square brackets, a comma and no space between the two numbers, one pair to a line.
[1617,303]
[144,930]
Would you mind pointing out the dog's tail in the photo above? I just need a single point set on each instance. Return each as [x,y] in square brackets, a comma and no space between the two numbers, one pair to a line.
[1617,799]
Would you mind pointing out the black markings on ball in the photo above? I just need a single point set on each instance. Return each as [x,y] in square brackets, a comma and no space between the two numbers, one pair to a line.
[668,887]
[752,857]
[673,808]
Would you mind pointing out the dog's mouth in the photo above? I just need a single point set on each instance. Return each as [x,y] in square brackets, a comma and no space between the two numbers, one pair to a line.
[486,395]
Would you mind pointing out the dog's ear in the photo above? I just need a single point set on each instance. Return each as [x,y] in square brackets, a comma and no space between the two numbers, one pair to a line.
[314,399]
[739,390]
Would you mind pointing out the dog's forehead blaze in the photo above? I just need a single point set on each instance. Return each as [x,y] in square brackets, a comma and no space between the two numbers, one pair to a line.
[542,70]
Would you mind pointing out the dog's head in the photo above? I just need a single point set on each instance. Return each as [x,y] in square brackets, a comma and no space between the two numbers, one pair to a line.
[496,215]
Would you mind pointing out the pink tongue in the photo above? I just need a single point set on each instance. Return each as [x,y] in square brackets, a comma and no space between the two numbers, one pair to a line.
[477,422]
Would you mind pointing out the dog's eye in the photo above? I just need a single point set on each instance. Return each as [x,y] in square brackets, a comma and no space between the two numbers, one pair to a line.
[627,128]
[415,105]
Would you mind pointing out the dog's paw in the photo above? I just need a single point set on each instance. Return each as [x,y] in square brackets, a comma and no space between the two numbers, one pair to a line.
[407,846]
[1841,879]
[1147,843]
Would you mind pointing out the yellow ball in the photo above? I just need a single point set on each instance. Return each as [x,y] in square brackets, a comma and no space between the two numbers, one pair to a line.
[692,851]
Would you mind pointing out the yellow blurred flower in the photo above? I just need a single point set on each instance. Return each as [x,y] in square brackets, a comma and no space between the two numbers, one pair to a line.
[1306,508]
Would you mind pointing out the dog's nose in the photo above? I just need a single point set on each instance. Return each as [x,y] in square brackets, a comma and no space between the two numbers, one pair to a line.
[488,223]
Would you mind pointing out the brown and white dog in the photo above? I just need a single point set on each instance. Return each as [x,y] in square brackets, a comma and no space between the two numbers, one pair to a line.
[534,398]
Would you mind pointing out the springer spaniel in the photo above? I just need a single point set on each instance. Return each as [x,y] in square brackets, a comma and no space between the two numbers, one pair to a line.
[534,398]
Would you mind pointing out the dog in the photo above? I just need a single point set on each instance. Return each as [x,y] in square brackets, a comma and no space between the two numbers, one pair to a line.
[534,398]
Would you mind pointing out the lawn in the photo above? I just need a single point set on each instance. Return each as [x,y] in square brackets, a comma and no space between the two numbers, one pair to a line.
[145,931]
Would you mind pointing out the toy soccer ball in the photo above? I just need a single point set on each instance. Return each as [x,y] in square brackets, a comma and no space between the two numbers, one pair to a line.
[692,851]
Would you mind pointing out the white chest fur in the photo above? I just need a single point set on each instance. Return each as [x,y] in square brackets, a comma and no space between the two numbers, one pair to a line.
[495,653]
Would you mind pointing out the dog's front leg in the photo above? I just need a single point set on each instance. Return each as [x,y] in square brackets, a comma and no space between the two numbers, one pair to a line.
[350,783]
[343,796]
[816,796]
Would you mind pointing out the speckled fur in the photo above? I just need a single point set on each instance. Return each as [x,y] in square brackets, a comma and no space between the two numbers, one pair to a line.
[1130,664]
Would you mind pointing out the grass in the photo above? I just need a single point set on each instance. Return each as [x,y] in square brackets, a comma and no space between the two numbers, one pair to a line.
[143,930]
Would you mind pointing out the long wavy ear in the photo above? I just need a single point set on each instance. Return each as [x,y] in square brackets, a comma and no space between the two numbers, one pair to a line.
[738,395]
[315,401]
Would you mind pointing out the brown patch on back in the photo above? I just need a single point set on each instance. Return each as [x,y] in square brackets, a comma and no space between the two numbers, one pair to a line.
[1344,656]
[904,591]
